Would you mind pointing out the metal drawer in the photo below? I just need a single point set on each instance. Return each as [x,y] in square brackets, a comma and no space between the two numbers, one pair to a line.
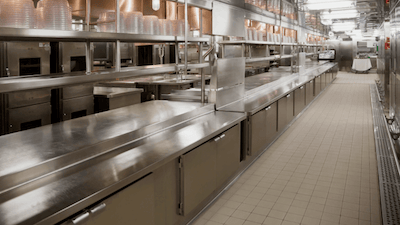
[77,107]
[28,117]
[27,98]
[76,91]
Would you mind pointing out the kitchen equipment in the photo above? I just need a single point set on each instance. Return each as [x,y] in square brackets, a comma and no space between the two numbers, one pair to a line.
[17,13]
[109,98]
[27,58]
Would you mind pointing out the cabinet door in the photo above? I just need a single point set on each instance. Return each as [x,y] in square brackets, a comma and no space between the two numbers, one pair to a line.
[323,81]
[258,132]
[309,92]
[228,154]
[132,205]
[282,114]
[317,86]
[199,175]
[300,102]
[290,107]
[271,122]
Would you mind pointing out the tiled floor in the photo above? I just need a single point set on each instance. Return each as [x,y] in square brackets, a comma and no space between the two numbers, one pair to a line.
[322,170]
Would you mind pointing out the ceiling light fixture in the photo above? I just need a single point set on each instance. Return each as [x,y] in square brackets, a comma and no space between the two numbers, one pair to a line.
[340,14]
[320,5]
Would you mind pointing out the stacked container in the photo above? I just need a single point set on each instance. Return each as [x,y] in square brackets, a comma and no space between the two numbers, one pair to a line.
[54,15]
[17,13]
[106,22]
[134,22]
[151,25]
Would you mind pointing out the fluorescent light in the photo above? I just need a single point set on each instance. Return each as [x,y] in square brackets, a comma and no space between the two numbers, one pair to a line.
[324,1]
[330,5]
[343,26]
[326,22]
[340,14]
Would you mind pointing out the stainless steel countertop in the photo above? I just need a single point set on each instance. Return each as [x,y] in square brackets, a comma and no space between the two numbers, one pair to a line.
[32,153]
[113,92]
[267,93]
[23,83]
[64,192]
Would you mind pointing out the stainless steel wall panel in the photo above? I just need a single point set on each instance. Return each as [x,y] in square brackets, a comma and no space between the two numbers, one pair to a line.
[227,20]
[227,95]
[230,72]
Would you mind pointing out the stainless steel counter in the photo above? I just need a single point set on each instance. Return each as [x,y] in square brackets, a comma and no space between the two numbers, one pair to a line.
[264,89]
[28,154]
[12,84]
[59,194]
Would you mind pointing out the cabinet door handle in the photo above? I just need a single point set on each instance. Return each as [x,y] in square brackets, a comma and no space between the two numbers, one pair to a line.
[217,139]
[287,96]
[222,136]
[311,82]
[301,87]
[80,219]
[98,208]
[268,108]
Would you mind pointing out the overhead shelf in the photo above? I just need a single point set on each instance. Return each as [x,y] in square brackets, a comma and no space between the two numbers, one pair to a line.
[255,43]
[269,58]
[12,84]
[23,34]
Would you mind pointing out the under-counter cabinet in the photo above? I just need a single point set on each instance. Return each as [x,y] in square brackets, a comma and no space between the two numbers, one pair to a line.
[133,204]
[264,128]
[290,107]
[317,85]
[309,92]
[209,166]
[300,100]
[323,81]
